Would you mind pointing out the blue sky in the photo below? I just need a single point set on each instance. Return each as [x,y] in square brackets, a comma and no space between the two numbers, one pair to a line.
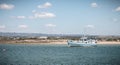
[99,17]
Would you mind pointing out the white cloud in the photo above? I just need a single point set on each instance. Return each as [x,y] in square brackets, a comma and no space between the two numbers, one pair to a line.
[89,26]
[50,25]
[33,11]
[89,29]
[19,17]
[44,15]
[23,26]
[2,26]
[94,5]
[114,19]
[6,6]
[117,9]
[45,5]
[36,15]
[31,17]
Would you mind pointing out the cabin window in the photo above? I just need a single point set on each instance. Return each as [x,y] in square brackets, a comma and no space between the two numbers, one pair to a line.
[85,40]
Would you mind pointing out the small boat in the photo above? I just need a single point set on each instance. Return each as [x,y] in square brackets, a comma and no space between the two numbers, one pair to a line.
[83,42]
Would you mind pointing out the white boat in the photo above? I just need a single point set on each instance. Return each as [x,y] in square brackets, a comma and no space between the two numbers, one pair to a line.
[82,42]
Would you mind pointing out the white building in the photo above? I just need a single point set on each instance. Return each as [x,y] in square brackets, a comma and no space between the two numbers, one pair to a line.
[43,37]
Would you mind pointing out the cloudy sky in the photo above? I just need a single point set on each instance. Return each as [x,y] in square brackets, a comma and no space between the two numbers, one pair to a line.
[100,17]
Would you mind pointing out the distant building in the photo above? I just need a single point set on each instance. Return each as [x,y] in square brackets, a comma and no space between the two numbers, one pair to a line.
[43,37]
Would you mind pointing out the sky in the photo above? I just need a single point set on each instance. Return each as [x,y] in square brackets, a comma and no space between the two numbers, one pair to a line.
[94,17]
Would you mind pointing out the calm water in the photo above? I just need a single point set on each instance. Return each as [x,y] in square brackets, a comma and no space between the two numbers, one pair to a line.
[28,54]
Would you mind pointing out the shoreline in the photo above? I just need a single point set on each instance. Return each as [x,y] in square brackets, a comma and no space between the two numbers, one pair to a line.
[50,42]
[108,42]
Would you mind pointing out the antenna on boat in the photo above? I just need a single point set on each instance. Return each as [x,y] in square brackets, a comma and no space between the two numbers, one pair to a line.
[84,32]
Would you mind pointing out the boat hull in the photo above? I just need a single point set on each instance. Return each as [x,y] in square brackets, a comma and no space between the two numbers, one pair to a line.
[80,44]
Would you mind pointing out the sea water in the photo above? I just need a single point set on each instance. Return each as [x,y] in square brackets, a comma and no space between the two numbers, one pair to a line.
[46,54]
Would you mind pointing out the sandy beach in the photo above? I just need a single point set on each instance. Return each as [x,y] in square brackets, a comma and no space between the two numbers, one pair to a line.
[50,42]
[108,42]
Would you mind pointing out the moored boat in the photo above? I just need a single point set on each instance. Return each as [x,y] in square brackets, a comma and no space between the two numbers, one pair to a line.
[84,41]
